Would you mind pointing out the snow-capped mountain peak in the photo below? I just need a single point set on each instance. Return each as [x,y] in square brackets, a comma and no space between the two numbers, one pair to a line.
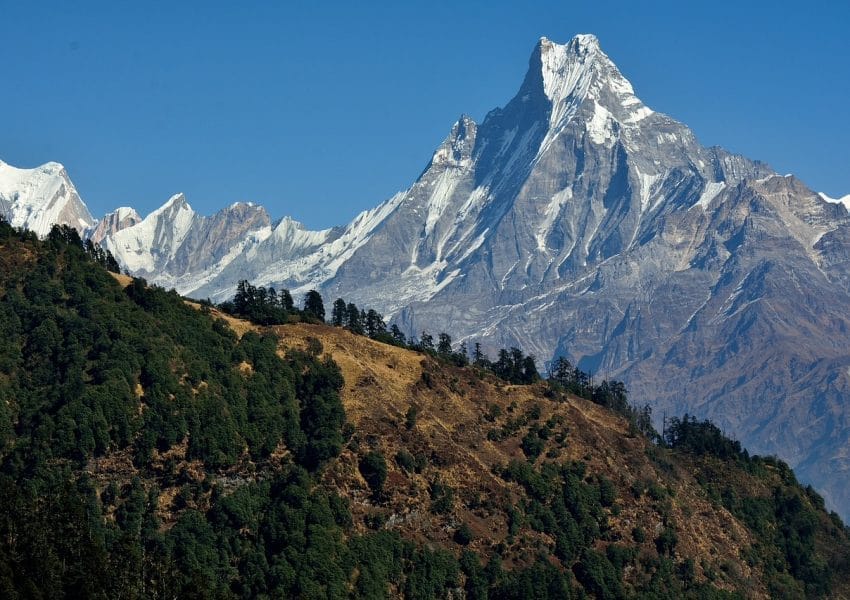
[149,244]
[567,68]
[297,237]
[126,212]
[177,202]
[578,72]
[41,197]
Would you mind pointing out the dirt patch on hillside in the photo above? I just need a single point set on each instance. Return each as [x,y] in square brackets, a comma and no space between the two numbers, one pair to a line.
[123,280]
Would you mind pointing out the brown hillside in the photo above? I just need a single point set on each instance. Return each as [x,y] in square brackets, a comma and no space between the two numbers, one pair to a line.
[456,408]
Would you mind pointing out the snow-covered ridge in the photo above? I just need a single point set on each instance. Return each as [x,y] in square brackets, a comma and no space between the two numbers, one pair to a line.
[126,212]
[156,238]
[844,200]
[577,78]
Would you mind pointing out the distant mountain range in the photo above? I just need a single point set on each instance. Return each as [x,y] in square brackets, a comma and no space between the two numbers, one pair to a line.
[574,222]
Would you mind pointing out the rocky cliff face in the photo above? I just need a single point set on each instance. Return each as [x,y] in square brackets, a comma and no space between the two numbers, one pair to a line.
[120,218]
[578,222]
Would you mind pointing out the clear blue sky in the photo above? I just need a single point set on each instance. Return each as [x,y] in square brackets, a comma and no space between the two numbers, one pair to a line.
[320,110]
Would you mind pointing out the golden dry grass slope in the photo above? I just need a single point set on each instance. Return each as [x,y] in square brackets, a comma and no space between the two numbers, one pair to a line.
[456,408]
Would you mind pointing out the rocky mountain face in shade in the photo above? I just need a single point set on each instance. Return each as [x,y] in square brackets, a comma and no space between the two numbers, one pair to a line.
[578,222]
[38,198]
[112,223]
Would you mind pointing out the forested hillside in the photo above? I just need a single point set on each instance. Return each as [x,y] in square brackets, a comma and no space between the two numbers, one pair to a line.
[154,448]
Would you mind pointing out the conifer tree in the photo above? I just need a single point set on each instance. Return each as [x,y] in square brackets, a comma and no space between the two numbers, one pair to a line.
[426,341]
[398,335]
[478,357]
[529,370]
[313,305]
[374,324]
[339,313]
[444,345]
[285,300]
[354,323]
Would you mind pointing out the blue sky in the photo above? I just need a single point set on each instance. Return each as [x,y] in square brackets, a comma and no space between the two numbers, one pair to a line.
[321,110]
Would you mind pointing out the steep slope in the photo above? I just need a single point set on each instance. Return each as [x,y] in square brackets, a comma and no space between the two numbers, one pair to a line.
[470,427]
[39,198]
[152,449]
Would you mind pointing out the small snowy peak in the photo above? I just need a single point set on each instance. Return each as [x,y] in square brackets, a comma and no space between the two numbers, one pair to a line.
[456,149]
[243,211]
[16,174]
[844,200]
[292,236]
[28,182]
[179,212]
[286,225]
[176,202]
[123,213]
[111,223]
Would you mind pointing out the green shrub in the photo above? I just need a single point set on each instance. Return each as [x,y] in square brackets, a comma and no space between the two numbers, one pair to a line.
[463,535]
[442,498]
[411,415]
[405,460]
[373,468]
[666,541]
[607,492]
[532,445]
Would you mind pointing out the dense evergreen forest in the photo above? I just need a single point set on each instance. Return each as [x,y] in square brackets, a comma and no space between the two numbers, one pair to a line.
[112,398]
